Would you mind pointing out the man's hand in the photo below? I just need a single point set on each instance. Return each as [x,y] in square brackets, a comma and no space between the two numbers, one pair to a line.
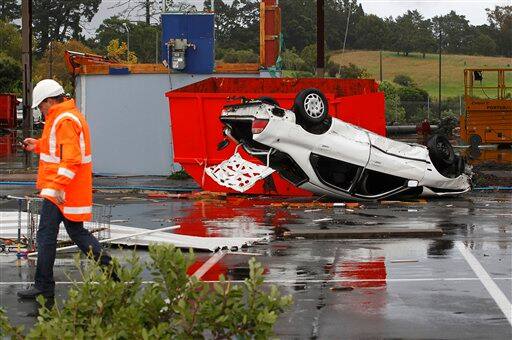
[59,196]
[30,144]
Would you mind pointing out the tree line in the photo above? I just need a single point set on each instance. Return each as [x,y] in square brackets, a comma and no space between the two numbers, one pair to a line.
[59,23]
[237,27]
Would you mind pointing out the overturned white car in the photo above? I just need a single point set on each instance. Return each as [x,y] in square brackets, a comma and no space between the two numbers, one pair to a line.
[330,157]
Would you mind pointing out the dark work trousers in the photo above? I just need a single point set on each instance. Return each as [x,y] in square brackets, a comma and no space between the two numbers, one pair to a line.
[49,223]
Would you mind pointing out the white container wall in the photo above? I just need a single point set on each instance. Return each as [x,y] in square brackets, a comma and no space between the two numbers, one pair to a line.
[129,120]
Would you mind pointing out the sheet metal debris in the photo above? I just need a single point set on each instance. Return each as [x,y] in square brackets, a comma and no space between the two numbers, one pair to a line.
[9,230]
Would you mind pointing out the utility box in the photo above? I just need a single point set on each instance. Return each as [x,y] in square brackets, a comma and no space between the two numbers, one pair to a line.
[188,42]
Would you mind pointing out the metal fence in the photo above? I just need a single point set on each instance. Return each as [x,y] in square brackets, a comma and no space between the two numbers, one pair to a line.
[28,222]
[414,112]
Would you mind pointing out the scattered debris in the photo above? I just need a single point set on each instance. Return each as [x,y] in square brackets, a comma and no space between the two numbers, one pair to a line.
[314,205]
[323,220]
[341,289]
[9,228]
[363,233]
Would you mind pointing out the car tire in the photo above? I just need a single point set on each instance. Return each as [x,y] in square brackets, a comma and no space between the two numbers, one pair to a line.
[311,106]
[268,100]
[440,150]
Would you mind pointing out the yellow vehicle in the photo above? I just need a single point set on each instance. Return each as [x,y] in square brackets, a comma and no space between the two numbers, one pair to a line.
[488,117]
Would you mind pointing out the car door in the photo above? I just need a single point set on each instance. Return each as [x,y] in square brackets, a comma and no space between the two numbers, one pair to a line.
[340,156]
[393,167]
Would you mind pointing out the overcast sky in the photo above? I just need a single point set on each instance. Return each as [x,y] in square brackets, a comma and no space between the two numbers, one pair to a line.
[474,10]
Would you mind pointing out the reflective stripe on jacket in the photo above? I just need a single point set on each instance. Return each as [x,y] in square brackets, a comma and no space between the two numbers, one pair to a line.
[65,161]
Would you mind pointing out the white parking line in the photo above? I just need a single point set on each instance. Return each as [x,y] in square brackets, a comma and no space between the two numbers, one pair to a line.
[489,284]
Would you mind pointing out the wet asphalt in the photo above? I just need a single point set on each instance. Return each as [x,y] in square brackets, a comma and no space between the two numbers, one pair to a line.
[342,289]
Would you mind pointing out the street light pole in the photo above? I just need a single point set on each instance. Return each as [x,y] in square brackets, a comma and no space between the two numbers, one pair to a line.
[51,61]
[127,42]
[26,57]
[440,48]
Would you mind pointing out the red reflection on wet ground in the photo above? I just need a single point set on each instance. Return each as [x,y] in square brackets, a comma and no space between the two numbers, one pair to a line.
[367,274]
[213,274]
[232,217]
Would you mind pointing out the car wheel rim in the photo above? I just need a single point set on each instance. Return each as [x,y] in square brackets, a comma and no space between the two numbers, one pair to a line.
[314,105]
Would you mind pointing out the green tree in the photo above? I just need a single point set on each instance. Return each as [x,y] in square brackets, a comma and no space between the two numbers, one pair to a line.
[59,20]
[482,44]
[298,23]
[336,13]
[455,32]
[10,10]
[500,19]
[10,74]
[149,8]
[10,40]
[409,28]
[372,33]
[58,64]
[237,24]
[424,40]
[144,39]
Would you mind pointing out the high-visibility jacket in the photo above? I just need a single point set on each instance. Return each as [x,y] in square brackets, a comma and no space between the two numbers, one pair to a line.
[65,161]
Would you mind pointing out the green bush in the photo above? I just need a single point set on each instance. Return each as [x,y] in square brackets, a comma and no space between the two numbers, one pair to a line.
[175,305]
[308,54]
[302,74]
[404,80]
[240,56]
[292,61]
[352,71]
[394,109]
[413,99]
[179,175]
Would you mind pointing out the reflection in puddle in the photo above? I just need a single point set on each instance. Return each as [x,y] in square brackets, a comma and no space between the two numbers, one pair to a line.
[439,248]
[365,274]
[235,217]
[477,156]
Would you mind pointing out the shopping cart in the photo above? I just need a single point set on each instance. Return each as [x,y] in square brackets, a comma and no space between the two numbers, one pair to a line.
[28,222]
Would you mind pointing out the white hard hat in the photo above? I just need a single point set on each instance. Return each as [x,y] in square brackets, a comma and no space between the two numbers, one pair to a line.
[46,88]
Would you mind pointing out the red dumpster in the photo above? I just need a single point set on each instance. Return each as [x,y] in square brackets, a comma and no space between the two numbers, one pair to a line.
[196,129]
[8,104]
[7,144]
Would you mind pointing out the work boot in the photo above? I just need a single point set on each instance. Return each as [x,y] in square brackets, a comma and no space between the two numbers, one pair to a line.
[33,293]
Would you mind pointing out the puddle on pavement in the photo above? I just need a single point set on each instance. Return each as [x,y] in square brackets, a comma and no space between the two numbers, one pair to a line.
[483,155]
[232,218]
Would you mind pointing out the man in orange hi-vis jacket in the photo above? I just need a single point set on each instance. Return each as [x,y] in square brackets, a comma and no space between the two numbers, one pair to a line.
[65,180]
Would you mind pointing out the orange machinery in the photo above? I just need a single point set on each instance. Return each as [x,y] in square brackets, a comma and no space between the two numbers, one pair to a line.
[488,117]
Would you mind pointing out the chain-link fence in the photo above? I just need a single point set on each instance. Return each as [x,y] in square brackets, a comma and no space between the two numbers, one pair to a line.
[414,112]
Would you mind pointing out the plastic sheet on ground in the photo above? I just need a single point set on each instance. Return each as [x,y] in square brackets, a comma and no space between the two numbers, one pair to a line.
[9,229]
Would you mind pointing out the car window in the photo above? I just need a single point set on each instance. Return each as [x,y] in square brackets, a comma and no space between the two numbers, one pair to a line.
[335,173]
[374,183]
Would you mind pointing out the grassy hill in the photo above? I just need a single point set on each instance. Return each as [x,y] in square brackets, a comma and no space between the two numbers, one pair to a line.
[424,71]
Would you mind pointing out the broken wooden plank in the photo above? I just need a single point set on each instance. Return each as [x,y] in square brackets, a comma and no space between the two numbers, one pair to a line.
[363,233]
